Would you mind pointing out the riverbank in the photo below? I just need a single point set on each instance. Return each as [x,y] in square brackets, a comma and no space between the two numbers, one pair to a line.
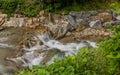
[38,40]
[35,37]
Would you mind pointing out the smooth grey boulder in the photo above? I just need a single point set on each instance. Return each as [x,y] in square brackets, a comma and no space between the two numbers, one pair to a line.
[113,23]
[70,19]
[96,24]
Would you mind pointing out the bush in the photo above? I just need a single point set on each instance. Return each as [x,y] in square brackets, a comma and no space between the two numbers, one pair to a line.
[19,6]
[28,8]
[8,6]
[32,8]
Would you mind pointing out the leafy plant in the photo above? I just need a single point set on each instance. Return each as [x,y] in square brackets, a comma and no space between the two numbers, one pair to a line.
[115,6]
[28,8]
[8,6]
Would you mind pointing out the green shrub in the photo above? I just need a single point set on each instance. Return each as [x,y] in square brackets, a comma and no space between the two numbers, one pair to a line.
[28,9]
[115,6]
[32,8]
[8,6]
[111,49]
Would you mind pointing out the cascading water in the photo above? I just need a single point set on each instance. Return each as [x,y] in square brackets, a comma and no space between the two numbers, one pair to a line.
[37,53]
[37,49]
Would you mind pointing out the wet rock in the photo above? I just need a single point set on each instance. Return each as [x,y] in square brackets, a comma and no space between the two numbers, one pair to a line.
[58,30]
[5,66]
[3,18]
[113,13]
[42,19]
[48,56]
[96,24]
[29,56]
[29,22]
[68,33]
[83,15]
[91,34]
[70,19]
[110,11]
[41,13]
[15,22]
[11,70]
[2,21]
[3,15]
[32,22]
[57,25]
[79,20]
[118,17]
[68,39]
[81,26]
[104,17]
[113,23]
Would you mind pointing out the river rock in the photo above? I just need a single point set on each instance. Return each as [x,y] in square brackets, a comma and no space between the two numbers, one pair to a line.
[113,13]
[3,15]
[2,21]
[113,23]
[15,22]
[91,34]
[41,13]
[81,26]
[57,25]
[96,24]
[70,19]
[104,17]
[3,18]
[83,15]
[29,22]
[118,17]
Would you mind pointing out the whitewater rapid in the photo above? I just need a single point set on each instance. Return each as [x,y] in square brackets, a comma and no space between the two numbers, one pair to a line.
[37,53]
[41,49]
[48,44]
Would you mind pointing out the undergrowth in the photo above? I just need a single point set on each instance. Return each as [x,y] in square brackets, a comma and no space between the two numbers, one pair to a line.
[32,8]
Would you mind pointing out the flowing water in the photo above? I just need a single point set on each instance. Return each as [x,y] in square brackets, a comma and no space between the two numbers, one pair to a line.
[39,49]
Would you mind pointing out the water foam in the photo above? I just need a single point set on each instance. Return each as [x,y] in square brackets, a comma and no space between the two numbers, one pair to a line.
[6,45]
[32,58]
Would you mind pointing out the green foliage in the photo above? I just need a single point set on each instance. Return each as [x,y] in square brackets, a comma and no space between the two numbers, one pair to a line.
[32,8]
[29,9]
[115,6]
[19,6]
[111,49]
[8,6]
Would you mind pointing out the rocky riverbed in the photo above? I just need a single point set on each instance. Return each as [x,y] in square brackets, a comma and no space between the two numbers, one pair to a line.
[28,41]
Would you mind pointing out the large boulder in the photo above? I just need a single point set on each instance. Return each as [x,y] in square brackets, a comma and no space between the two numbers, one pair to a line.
[32,22]
[3,18]
[70,19]
[112,23]
[82,15]
[104,17]
[96,24]
[57,25]
[15,22]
